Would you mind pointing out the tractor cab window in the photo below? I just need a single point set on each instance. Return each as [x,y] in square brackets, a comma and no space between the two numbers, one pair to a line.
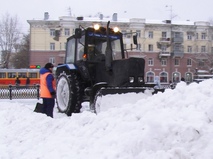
[116,49]
[97,46]
[96,52]
[70,51]
[80,48]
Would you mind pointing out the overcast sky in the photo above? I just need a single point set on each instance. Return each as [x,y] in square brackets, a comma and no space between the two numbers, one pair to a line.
[194,10]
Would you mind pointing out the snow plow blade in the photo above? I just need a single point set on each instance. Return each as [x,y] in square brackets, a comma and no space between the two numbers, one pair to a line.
[96,105]
[120,90]
[105,91]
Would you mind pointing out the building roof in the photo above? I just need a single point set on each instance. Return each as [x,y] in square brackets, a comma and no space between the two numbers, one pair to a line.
[114,18]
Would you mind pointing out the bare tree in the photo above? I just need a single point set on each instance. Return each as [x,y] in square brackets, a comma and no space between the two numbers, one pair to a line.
[21,57]
[9,37]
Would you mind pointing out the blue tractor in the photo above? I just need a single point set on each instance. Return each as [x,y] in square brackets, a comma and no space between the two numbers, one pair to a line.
[96,64]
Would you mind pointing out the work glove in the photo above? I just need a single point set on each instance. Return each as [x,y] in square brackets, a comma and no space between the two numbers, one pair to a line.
[53,94]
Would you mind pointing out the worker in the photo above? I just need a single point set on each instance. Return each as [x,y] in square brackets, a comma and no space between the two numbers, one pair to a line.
[47,89]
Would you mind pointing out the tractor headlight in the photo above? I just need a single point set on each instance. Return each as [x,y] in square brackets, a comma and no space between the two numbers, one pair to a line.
[96,26]
[115,29]
[131,79]
[140,79]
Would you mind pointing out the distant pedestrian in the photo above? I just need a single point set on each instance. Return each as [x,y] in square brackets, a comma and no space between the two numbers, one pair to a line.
[157,82]
[17,82]
[182,79]
[27,81]
[47,89]
[171,85]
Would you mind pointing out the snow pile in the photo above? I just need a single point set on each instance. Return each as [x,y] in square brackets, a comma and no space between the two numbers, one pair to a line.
[175,124]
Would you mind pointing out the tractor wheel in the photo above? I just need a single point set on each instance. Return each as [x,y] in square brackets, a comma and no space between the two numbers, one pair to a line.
[68,94]
[97,102]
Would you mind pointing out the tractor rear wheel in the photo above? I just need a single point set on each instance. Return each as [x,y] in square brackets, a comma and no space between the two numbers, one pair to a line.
[68,94]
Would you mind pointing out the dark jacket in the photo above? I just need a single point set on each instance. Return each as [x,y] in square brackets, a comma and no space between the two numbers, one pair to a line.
[28,81]
[18,82]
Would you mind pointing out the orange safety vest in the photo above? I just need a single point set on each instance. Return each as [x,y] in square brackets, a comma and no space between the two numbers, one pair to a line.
[44,91]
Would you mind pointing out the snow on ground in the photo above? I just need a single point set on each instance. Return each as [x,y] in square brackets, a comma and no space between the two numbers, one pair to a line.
[176,124]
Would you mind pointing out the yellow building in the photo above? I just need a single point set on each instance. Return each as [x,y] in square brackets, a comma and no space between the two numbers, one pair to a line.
[172,50]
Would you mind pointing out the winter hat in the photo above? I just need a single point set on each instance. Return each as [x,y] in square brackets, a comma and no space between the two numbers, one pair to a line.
[49,65]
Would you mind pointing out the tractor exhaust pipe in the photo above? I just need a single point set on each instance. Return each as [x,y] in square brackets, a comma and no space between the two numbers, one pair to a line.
[108,52]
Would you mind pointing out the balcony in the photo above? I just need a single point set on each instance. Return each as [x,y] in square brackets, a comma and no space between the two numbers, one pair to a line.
[167,40]
[177,39]
[165,44]
[177,53]
[164,54]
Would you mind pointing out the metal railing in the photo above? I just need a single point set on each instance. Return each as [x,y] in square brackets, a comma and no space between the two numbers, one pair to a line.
[19,92]
[30,92]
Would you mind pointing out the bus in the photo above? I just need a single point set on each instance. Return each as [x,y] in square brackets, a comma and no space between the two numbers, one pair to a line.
[8,76]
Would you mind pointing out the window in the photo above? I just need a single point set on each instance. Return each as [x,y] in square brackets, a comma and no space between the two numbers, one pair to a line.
[163,77]
[201,63]
[150,47]
[12,75]
[80,50]
[177,35]
[178,47]
[129,34]
[70,58]
[203,49]
[66,32]
[2,75]
[189,49]
[52,46]
[52,60]
[188,77]
[52,32]
[150,77]
[138,47]
[163,62]
[124,33]
[22,75]
[197,36]
[189,36]
[138,33]
[203,36]
[150,34]
[177,62]
[33,75]
[176,77]
[150,62]
[163,48]
[164,35]
[189,62]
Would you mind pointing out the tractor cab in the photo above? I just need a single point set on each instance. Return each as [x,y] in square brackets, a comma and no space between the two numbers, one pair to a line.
[91,44]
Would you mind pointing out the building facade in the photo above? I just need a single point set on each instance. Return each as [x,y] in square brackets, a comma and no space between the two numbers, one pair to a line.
[172,50]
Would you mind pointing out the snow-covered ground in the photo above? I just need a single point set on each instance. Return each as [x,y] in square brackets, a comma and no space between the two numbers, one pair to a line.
[176,124]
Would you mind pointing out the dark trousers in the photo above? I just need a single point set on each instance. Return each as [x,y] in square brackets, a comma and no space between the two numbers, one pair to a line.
[49,104]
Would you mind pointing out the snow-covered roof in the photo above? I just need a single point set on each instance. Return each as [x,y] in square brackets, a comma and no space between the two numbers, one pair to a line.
[129,20]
